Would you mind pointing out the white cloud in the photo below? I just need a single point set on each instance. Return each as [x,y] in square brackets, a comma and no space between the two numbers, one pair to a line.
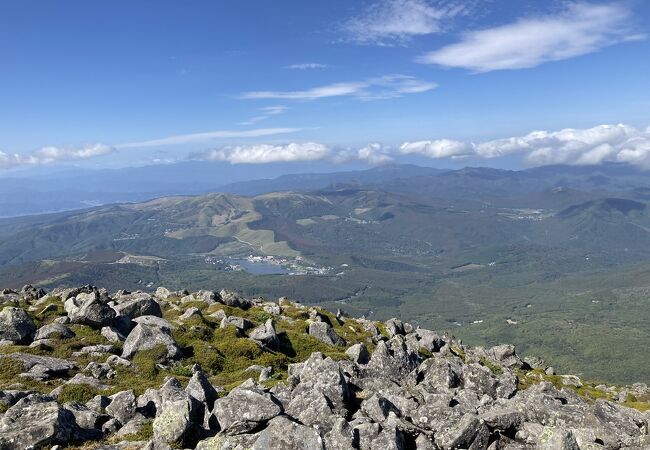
[374,154]
[602,143]
[388,86]
[209,136]
[266,112]
[387,22]
[439,148]
[51,154]
[579,29]
[265,153]
[306,66]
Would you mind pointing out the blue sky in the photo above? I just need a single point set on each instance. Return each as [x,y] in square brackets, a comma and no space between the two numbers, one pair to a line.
[106,84]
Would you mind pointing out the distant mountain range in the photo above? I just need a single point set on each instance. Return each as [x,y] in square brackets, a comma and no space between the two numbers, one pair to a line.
[73,188]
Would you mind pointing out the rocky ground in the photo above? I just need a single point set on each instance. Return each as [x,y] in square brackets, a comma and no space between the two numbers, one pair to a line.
[82,368]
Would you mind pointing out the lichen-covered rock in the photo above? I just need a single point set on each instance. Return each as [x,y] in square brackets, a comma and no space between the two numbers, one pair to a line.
[266,335]
[284,434]
[325,333]
[54,330]
[16,326]
[147,337]
[37,421]
[89,309]
[136,305]
[243,409]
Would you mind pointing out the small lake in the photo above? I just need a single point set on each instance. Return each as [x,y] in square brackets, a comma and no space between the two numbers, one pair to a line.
[260,267]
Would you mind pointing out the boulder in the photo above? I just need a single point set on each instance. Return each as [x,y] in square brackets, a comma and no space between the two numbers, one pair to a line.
[147,337]
[266,335]
[16,326]
[243,410]
[358,353]
[42,368]
[200,388]
[325,333]
[122,406]
[54,330]
[239,322]
[89,309]
[136,305]
[284,434]
[37,421]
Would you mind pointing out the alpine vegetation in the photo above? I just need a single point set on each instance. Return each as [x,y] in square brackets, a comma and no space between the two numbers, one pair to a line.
[85,368]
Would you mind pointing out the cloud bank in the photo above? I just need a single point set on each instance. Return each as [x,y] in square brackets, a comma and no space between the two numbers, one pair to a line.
[387,86]
[602,143]
[579,29]
[590,146]
[51,154]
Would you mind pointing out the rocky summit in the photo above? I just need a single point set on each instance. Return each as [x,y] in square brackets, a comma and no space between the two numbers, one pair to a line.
[85,368]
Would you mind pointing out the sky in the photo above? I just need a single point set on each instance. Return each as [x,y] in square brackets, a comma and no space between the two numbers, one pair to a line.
[477,82]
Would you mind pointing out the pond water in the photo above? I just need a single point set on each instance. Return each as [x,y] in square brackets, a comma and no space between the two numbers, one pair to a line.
[261,267]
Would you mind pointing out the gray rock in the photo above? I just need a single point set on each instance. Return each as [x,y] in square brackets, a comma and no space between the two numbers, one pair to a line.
[358,353]
[178,421]
[394,327]
[112,335]
[147,337]
[325,333]
[163,293]
[272,308]
[122,406]
[341,436]
[557,439]
[239,322]
[133,426]
[266,335]
[154,321]
[89,309]
[283,434]
[200,388]
[321,374]
[16,326]
[233,299]
[136,305]
[243,409]
[191,312]
[37,421]
[42,367]
[54,330]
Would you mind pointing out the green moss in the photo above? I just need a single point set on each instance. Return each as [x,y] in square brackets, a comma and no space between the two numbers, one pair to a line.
[79,393]
[9,370]
[3,408]
[494,368]
[458,351]
[144,434]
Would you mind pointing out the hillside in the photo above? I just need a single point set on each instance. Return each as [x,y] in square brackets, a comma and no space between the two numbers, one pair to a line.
[84,368]
[552,271]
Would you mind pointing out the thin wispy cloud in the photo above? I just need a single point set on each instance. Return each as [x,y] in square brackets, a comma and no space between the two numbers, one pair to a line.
[208,136]
[266,112]
[51,154]
[390,22]
[306,66]
[388,86]
[579,29]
